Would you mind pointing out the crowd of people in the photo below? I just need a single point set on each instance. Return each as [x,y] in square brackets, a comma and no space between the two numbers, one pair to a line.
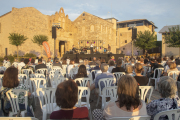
[137,72]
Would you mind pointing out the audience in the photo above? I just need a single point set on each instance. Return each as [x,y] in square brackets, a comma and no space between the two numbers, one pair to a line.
[129,70]
[118,67]
[93,62]
[40,65]
[111,65]
[21,64]
[167,89]
[141,80]
[26,61]
[66,98]
[57,63]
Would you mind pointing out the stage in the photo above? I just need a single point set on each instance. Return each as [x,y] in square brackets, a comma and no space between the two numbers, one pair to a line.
[90,56]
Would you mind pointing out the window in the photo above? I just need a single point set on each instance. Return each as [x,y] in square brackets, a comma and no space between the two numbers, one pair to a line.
[123,48]
[83,14]
[125,41]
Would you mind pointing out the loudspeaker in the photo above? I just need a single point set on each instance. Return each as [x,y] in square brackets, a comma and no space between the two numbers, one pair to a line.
[134,33]
[54,32]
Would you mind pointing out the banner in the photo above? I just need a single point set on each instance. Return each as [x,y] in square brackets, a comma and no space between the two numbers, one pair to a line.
[47,48]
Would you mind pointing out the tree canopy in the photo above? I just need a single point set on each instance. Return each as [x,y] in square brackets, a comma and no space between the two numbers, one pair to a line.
[39,39]
[17,39]
[145,40]
[172,38]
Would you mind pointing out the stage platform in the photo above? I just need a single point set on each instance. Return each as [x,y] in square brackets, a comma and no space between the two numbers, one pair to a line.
[90,56]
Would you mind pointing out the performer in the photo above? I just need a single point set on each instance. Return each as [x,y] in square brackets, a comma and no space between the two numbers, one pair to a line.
[85,49]
[91,47]
[109,48]
[74,49]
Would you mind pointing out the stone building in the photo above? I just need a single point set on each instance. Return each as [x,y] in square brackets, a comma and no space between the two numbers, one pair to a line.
[81,32]
[168,51]
[124,36]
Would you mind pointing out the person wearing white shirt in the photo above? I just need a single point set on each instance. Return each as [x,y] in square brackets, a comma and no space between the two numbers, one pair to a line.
[21,64]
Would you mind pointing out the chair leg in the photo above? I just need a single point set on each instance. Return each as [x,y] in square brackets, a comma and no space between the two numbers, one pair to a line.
[155,80]
[90,115]
[44,115]
[97,101]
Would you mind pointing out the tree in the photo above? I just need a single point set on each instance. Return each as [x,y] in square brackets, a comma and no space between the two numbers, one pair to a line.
[39,39]
[172,38]
[146,40]
[17,40]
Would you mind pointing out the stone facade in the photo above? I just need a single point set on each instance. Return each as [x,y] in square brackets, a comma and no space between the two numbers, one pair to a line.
[81,32]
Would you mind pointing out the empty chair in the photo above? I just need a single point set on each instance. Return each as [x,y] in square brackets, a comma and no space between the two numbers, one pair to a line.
[47,101]
[144,90]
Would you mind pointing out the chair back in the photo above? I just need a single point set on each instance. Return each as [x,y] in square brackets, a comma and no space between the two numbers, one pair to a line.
[174,113]
[93,74]
[73,72]
[109,92]
[132,118]
[49,65]
[15,64]
[57,80]
[159,71]
[23,78]
[118,75]
[13,95]
[81,90]
[174,74]
[144,90]
[146,70]
[37,75]
[42,71]
[83,81]
[46,97]
[106,82]
[27,72]
[1,77]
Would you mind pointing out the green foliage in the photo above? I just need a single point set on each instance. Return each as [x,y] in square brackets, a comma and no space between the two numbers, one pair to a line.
[16,39]
[39,39]
[172,38]
[10,57]
[1,61]
[29,55]
[146,40]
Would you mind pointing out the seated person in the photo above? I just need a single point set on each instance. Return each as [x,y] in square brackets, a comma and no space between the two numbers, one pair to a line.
[172,67]
[26,61]
[93,62]
[111,65]
[57,63]
[142,80]
[129,70]
[118,67]
[6,62]
[128,103]
[156,65]
[132,62]
[104,74]
[40,65]
[167,89]
[66,98]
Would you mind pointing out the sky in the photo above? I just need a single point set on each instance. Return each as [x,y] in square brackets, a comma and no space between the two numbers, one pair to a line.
[161,12]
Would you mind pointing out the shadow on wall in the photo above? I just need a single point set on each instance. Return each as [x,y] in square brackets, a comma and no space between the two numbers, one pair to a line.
[35,52]
[126,49]
[20,53]
[170,53]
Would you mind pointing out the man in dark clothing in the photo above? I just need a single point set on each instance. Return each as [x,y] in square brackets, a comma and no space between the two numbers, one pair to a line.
[152,63]
[40,65]
[93,62]
[118,68]
[98,64]
[57,63]
[156,65]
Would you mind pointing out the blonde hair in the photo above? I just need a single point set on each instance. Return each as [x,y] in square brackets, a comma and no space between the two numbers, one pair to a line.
[129,69]
[172,65]
[138,68]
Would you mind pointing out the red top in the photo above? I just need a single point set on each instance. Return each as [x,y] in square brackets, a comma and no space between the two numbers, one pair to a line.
[78,113]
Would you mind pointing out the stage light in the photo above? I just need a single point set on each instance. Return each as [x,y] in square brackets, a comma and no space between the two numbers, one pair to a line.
[94,42]
[87,42]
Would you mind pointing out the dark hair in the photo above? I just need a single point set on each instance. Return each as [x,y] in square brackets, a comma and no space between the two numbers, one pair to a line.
[71,61]
[128,92]
[26,61]
[111,63]
[145,61]
[171,57]
[32,60]
[67,94]
[10,79]
[103,60]
[178,62]
[164,58]
[158,60]
[22,59]
[82,72]
[119,62]
[6,58]
[153,60]
[40,60]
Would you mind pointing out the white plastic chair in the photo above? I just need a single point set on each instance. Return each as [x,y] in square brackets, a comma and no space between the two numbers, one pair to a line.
[73,72]
[144,90]
[146,70]
[1,77]
[84,92]
[174,74]
[107,83]
[18,118]
[23,79]
[160,70]
[169,113]
[27,72]
[2,68]
[37,75]
[83,81]
[132,118]
[94,73]
[47,101]
[109,92]
[49,65]
[64,69]
[13,95]
[15,64]
[118,75]
[42,71]
[57,80]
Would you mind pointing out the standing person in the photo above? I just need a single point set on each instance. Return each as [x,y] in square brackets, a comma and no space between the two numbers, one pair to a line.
[91,47]
[109,48]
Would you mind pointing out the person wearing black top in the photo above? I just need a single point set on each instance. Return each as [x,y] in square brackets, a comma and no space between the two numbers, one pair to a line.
[142,80]
[57,63]
[156,65]
[118,68]
[40,65]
